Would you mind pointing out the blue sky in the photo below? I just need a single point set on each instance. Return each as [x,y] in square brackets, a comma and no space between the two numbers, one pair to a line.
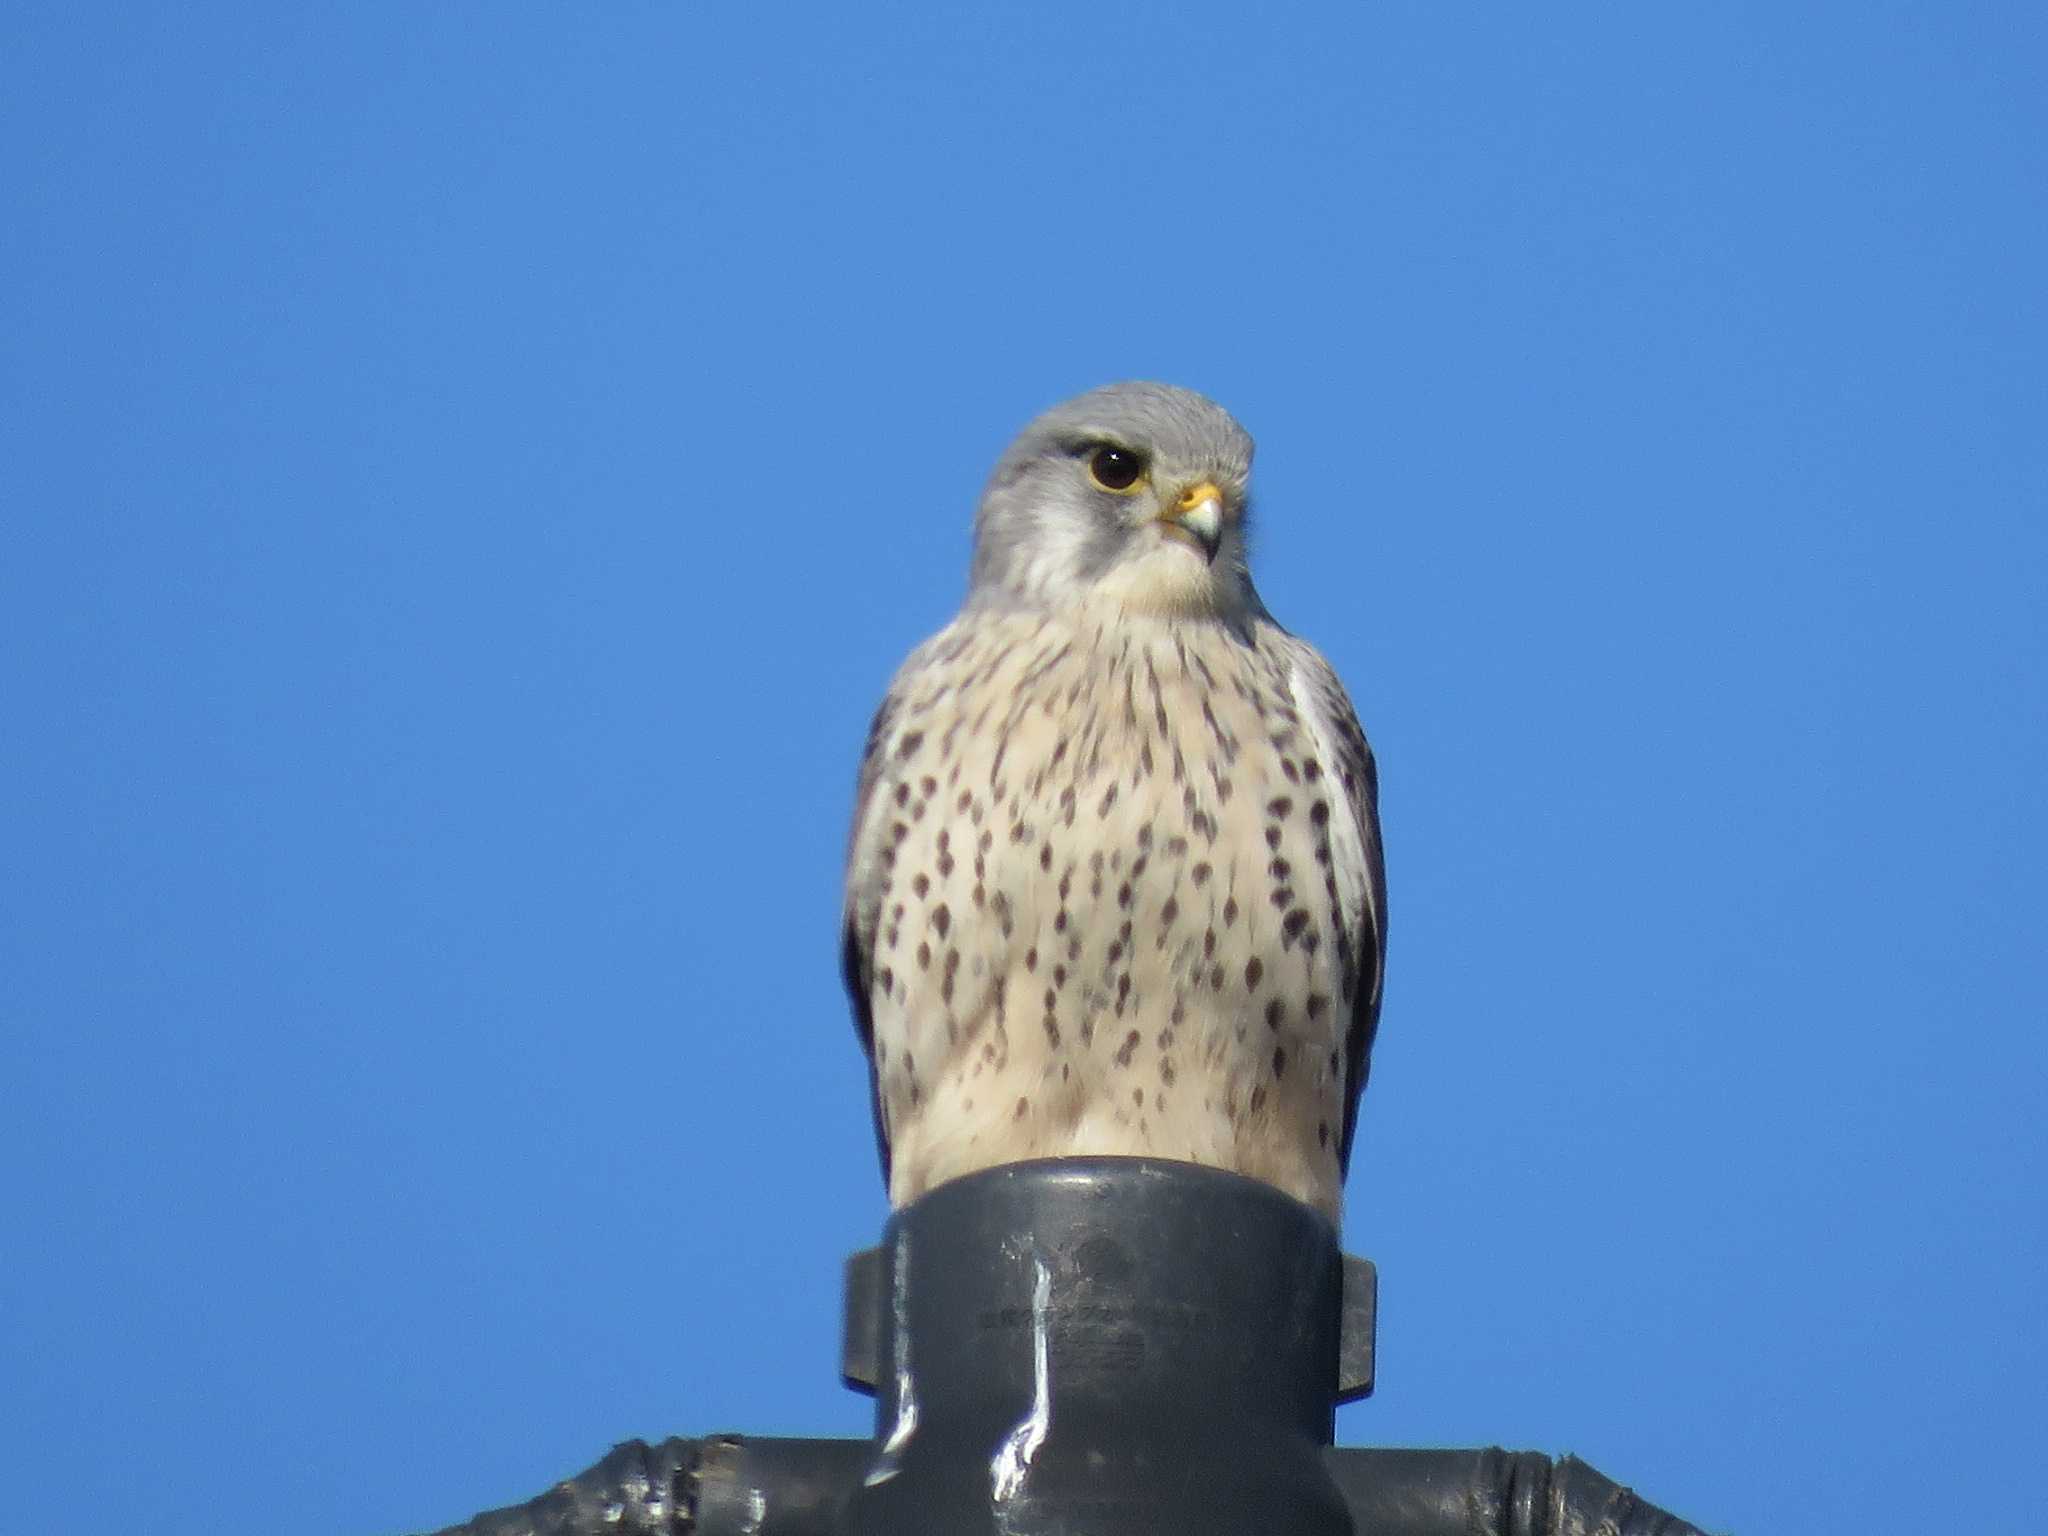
[470,470]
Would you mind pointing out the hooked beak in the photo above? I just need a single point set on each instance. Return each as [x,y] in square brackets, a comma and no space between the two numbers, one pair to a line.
[1197,518]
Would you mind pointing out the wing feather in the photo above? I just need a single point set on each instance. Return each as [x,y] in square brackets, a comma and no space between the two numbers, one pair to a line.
[1360,865]
[858,914]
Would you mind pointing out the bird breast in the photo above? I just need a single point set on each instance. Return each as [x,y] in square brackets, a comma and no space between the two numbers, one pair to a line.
[1103,913]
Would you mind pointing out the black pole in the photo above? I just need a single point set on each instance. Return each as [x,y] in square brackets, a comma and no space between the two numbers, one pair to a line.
[1103,1344]
[1093,1347]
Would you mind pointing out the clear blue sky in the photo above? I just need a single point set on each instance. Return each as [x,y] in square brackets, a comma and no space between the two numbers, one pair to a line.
[469,470]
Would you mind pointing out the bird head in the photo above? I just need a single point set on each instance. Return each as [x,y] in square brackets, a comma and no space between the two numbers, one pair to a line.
[1132,493]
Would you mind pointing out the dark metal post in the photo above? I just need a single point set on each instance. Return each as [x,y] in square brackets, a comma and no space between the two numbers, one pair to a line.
[1101,1344]
[1093,1347]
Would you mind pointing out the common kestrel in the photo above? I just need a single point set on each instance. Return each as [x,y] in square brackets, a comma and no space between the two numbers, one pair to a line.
[1115,882]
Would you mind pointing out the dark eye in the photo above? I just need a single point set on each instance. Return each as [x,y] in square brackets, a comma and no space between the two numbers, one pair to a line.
[1116,469]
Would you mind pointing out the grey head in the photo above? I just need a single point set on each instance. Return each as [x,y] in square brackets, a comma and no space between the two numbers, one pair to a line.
[1133,495]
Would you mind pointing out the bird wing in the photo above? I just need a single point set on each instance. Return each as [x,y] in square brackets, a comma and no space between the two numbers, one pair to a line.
[1357,861]
[860,914]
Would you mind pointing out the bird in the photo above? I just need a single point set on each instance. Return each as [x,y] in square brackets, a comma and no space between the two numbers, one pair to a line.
[1114,885]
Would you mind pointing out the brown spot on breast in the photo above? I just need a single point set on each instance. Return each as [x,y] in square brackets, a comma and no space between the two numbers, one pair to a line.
[1128,1049]
[1276,1014]
[942,918]
[1254,971]
[1279,1062]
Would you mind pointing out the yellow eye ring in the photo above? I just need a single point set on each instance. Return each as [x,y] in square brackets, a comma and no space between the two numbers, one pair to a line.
[1116,469]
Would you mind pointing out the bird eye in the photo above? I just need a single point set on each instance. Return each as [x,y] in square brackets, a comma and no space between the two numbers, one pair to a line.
[1116,469]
